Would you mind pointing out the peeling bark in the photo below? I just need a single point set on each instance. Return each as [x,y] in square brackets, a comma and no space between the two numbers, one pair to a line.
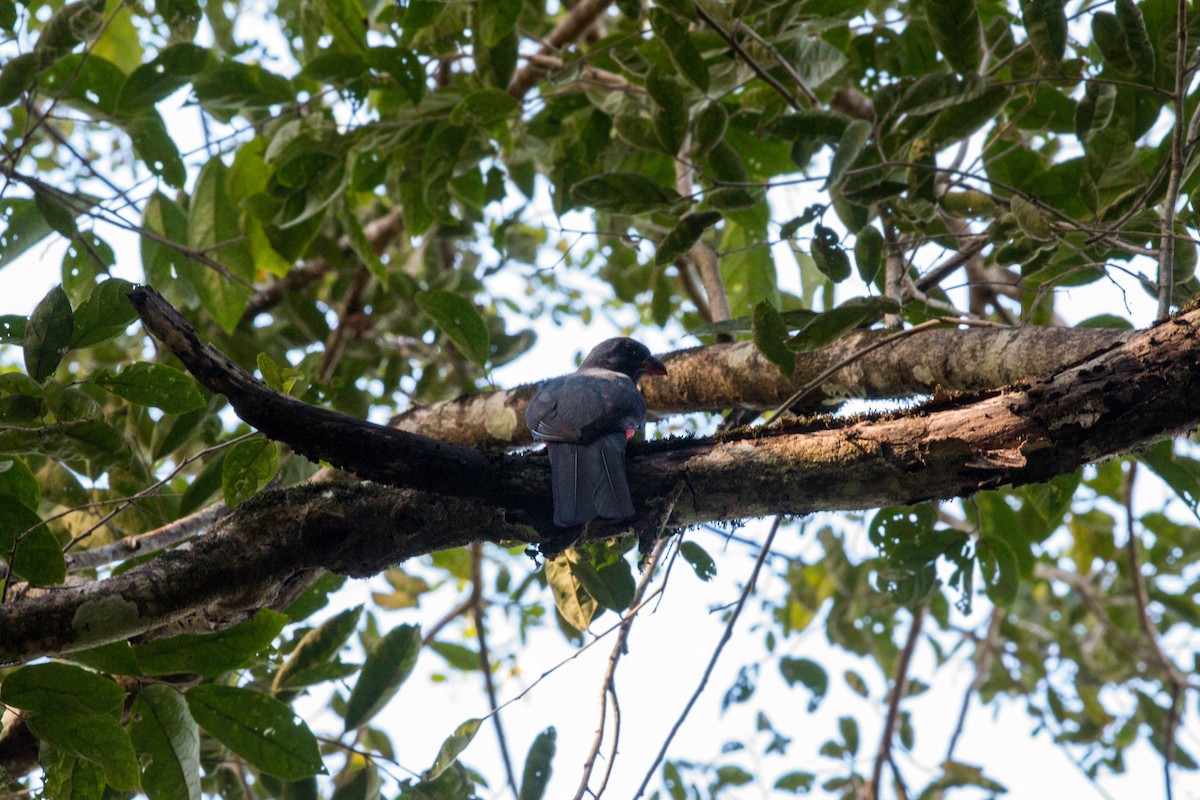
[725,376]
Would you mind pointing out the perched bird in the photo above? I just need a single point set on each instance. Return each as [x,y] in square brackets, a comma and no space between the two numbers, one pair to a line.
[585,418]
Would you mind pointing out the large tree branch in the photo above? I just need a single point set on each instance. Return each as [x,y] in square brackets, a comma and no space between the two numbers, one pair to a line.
[725,376]
[1137,392]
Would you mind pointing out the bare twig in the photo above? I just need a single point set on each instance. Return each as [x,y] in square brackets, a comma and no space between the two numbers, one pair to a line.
[609,690]
[899,689]
[815,382]
[985,654]
[1166,250]
[451,615]
[578,20]
[895,267]
[712,662]
[1175,679]
[148,542]
[380,233]
[485,665]
[754,66]
[335,344]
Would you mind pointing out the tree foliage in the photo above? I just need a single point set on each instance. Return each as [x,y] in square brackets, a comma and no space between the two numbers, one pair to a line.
[372,206]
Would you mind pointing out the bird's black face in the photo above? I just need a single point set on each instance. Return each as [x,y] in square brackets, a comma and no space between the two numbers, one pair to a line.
[624,355]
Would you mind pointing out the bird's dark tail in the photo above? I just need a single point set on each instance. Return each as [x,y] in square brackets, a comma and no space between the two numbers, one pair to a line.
[589,480]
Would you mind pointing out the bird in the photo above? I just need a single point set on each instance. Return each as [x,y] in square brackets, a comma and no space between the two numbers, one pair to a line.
[585,419]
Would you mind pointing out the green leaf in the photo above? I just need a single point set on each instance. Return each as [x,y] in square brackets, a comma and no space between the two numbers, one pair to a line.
[24,227]
[96,737]
[62,689]
[829,325]
[248,467]
[1137,39]
[167,742]
[257,727]
[419,14]
[770,334]
[683,52]
[114,658]
[849,730]
[849,146]
[796,782]
[497,18]
[828,255]
[1030,220]
[671,116]
[48,334]
[451,748]
[104,315]
[809,125]
[809,673]
[211,653]
[17,76]
[938,91]
[12,329]
[701,562]
[213,220]
[387,667]
[58,212]
[458,656]
[623,193]
[17,480]
[957,32]
[231,87]
[154,146]
[483,107]
[685,234]
[1001,569]
[38,557]
[815,60]
[87,258]
[1046,25]
[171,69]
[69,776]
[748,268]
[868,253]
[77,710]
[458,318]
[708,126]
[157,385]
[316,648]
[536,774]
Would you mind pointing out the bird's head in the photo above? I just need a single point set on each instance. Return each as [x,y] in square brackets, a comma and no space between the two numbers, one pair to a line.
[624,355]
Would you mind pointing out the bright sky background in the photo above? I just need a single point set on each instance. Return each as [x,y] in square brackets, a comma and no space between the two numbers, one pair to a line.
[669,648]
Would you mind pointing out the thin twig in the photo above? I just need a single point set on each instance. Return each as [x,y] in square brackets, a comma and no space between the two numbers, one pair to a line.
[447,618]
[712,662]
[754,66]
[485,665]
[1166,250]
[578,19]
[1174,678]
[609,689]
[583,649]
[899,689]
[857,354]
[335,343]
[150,541]
[985,654]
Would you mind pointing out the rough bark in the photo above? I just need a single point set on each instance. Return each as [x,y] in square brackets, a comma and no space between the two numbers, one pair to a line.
[727,376]
[1120,399]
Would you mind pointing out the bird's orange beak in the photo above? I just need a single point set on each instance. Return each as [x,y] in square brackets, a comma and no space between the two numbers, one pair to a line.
[652,366]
